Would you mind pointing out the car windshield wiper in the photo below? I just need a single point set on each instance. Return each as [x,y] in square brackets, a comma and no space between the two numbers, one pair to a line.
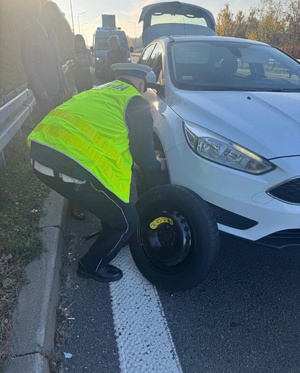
[281,89]
[290,90]
[247,89]
[236,89]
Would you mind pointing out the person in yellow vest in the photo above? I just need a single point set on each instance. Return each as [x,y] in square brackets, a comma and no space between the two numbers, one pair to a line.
[85,149]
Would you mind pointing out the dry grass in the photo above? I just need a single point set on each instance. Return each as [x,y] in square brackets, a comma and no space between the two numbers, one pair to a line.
[21,200]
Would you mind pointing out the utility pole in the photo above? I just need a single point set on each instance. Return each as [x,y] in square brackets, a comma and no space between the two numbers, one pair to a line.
[134,34]
[72,16]
[78,21]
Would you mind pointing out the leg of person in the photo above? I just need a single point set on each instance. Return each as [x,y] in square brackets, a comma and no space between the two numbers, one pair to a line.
[119,221]
[79,88]
[79,83]
[117,227]
[44,106]
[56,99]
[113,236]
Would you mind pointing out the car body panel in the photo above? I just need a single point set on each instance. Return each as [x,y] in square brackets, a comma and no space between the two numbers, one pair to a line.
[246,118]
[226,189]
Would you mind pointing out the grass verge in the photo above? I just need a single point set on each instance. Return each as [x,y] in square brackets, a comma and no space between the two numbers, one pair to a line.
[21,201]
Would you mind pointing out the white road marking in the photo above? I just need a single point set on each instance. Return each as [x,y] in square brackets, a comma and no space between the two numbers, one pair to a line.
[143,337]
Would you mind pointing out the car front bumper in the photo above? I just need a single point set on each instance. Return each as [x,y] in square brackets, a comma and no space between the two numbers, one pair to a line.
[250,212]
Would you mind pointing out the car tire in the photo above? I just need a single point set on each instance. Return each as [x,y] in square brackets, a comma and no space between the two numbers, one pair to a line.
[177,238]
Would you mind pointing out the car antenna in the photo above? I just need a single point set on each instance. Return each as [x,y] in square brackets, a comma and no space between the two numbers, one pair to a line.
[184,26]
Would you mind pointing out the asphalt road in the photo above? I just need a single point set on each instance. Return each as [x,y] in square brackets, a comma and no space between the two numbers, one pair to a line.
[243,318]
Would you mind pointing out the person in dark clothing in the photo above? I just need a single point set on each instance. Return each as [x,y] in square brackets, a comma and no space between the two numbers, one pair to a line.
[115,54]
[42,64]
[41,59]
[83,61]
[85,151]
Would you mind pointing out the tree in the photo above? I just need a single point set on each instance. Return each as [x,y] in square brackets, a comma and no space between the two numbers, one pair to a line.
[292,35]
[239,26]
[224,25]
[252,25]
[271,22]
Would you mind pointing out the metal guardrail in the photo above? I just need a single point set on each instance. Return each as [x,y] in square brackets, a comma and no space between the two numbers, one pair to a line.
[6,98]
[12,116]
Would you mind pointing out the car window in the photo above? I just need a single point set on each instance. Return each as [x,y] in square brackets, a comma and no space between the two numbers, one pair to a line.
[155,60]
[146,54]
[187,19]
[101,42]
[176,13]
[232,66]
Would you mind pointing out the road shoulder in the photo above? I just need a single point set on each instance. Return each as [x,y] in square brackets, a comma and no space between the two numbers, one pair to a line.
[34,318]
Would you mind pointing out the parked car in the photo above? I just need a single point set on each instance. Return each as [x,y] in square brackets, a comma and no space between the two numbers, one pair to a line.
[227,118]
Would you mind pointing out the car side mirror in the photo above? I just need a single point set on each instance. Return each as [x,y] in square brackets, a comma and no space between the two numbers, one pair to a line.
[150,77]
[92,49]
[131,49]
[160,89]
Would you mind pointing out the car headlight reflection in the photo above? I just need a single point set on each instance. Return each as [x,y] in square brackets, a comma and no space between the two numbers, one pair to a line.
[220,150]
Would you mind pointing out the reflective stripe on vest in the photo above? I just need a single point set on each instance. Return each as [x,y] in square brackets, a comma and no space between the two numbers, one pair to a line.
[90,128]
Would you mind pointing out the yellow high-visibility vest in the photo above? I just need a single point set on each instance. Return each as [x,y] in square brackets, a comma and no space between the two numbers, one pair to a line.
[90,128]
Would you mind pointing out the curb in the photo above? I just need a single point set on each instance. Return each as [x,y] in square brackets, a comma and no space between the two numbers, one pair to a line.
[34,319]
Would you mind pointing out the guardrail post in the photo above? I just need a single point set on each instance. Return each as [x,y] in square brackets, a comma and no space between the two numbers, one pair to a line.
[2,160]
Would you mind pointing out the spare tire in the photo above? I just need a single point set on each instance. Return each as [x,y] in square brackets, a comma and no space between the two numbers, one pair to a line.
[177,238]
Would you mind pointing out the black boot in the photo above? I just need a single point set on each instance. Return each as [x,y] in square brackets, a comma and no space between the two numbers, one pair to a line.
[109,273]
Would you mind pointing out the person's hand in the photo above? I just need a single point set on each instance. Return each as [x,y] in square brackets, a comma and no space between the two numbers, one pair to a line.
[44,96]
[163,162]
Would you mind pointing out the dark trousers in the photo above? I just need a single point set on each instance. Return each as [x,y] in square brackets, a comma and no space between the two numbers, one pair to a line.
[83,80]
[47,105]
[119,219]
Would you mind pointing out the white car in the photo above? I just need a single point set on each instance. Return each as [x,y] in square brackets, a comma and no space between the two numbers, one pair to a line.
[227,118]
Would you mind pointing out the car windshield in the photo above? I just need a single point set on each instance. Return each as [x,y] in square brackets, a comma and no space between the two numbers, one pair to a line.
[226,65]
[186,19]
[101,43]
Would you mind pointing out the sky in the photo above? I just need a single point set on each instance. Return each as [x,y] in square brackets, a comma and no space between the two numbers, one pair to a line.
[89,13]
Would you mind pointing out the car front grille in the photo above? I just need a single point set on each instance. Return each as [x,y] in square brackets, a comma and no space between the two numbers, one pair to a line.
[281,239]
[288,192]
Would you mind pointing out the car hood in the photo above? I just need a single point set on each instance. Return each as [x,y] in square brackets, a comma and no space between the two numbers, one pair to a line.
[267,123]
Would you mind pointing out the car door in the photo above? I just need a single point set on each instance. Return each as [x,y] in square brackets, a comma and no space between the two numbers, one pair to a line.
[167,124]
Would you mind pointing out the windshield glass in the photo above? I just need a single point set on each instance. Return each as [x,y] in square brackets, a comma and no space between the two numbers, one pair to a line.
[101,42]
[186,19]
[225,65]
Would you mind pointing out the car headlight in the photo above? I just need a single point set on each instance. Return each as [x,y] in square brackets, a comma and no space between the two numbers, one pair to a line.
[220,150]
